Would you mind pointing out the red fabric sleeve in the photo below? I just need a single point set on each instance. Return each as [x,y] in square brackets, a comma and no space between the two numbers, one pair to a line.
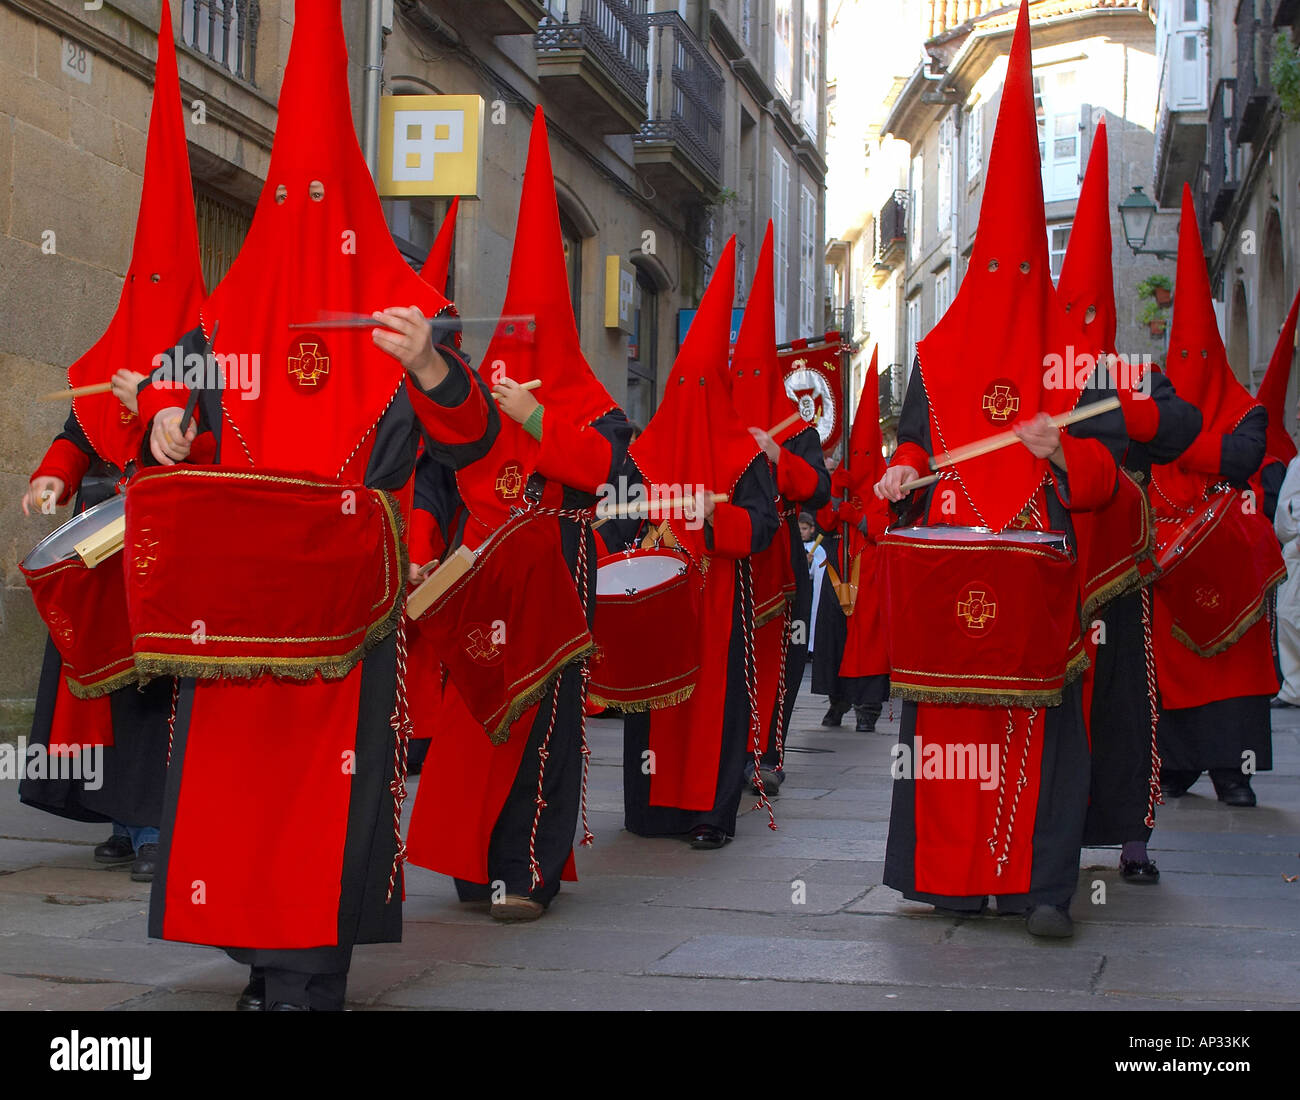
[911,454]
[203,451]
[1205,455]
[576,457]
[1092,473]
[1141,416]
[827,517]
[794,477]
[153,399]
[423,539]
[452,425]
[66,461]
[732,531]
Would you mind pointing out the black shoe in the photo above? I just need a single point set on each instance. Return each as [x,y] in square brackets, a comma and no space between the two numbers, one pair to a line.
[706,837]
[116,849]
[1140,872]
[1234,792]
[285,1006]
[866,722]
[836,713]
[1278,703]
[944,911]
[772,780]
[1176,788]
[1050,921]
[253,999]
[145,863]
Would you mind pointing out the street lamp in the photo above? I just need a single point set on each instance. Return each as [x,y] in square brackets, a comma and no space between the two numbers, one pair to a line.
[1137,212]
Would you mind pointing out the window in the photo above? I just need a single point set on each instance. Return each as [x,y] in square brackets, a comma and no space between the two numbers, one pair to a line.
[643,352]
[812,48]
[914,204]
[1056,103]
[942,293]
[573,263]
[222,226]
[1058,236]
[974,142]
[784,59]
[225,31]
[913,329]
[807,262]
[943,197]
[780,237]
[742,273]
[746,22]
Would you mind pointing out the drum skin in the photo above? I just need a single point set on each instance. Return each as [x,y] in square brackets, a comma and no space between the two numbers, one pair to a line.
[647,646]
[1217,569]
[84,609]
[978,618]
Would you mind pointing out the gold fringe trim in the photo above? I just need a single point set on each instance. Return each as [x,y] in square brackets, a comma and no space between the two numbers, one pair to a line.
[640,706]
[1235,635]
[150,665]
[981,697]
[102,687]
[769,611]
[1130,581]
[530,695]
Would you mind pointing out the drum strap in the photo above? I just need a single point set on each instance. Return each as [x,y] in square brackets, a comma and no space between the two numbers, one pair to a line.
[1154,797]
[400,721]
[846,594]
[746,576]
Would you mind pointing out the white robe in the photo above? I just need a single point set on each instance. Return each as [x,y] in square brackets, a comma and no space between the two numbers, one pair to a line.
[1287,525]
[816,568]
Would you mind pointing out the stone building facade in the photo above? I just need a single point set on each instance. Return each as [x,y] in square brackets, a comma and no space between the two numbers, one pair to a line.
[673,125]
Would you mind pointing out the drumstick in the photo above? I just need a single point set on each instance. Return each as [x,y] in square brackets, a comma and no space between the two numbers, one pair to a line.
[793,418]
[1007,439]
[532,384]
[366,320]
[636,508]
[78,391]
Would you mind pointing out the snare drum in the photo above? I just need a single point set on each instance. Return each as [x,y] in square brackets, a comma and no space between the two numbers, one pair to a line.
[1217,569]
[647,646]
[980,618]
[84,608]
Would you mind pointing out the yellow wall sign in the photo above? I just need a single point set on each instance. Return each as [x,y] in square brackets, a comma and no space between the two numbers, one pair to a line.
[620,293]
[430,145]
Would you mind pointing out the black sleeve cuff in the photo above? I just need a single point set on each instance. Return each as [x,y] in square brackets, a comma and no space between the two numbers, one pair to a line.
[455,388]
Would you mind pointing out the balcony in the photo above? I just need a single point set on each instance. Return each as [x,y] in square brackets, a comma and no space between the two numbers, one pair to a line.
[500,16]
[679,148]
[891,234]
[1182,103]
[225,32]
[1254,57]
[1221,169]
[591,60]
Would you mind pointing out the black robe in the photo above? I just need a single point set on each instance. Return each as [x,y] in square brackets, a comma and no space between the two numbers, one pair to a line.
[134,768]
[1063,789]
[365,913]
[755,492]
[1120,723]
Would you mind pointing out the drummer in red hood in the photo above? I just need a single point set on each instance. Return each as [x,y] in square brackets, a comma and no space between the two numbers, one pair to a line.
[1215,713]
[954,840]
[255,767]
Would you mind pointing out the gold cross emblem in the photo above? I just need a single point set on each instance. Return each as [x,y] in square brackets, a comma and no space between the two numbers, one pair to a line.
[145,552]
[510,481]
[977,609]
[311,365]
[1001,403]
[481,646]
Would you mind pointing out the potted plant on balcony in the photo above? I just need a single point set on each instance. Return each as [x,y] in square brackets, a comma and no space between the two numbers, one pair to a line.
[1157,287]
[1154,318]
[1285,75]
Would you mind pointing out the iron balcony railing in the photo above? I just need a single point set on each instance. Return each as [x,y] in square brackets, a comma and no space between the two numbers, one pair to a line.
[1254,57]
[612,31]
[891,227]
[225,32]
[1221,182]
[685,94]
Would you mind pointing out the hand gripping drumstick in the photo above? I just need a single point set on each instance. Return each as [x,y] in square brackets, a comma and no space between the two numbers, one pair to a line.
[529,385]
[642,508]
[78,391]
[1001,440]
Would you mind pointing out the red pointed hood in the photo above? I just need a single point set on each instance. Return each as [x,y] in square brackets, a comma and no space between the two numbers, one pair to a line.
[164,283]
[1272,390]
[437,264]
[537,338]
[983,364]
[757,388]
[1197,363]
[1087,273]
[307,257]
[696,438]
[866,460]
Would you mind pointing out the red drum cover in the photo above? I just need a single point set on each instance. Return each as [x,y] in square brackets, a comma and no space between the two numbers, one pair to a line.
[283,575]
[647,647]
[981,618]
[1218,567]
[1120,539]
[84,609]
[510,624]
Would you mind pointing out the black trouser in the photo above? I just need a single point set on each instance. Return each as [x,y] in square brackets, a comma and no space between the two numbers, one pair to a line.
[319,992]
